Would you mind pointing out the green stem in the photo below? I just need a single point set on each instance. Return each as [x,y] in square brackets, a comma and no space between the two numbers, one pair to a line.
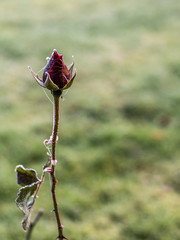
[56,96]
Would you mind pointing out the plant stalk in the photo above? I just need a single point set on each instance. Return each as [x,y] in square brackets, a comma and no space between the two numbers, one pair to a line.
[56,96]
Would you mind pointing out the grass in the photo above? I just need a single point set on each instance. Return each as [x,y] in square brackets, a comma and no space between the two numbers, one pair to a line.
[119,169]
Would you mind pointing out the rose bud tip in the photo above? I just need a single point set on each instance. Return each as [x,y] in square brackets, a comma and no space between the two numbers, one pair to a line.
[55,53]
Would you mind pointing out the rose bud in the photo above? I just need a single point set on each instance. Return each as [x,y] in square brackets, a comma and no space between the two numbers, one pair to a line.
[56,75]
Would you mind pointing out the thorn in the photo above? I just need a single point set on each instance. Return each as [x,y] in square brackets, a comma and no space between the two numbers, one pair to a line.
[64,237]
[54,162]
[61,227]
[48,169]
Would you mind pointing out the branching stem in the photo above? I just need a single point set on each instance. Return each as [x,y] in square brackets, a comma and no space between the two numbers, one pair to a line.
[32,225]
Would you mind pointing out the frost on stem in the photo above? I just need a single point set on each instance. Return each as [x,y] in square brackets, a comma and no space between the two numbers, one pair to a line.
[53,162]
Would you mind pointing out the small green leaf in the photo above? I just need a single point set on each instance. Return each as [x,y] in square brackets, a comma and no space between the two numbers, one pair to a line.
[24,195]
[24,203]
[25,176]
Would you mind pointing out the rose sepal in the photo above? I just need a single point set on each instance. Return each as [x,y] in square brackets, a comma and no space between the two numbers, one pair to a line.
[68,85]
[49,84]
[36,77]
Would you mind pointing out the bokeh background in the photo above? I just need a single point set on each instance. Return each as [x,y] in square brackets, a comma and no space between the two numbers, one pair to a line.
[119,148]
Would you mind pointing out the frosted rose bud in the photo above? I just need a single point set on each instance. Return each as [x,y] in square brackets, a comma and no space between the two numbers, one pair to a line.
[56,75]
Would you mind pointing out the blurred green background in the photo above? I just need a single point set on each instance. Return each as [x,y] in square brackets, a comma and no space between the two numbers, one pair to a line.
[119,168]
